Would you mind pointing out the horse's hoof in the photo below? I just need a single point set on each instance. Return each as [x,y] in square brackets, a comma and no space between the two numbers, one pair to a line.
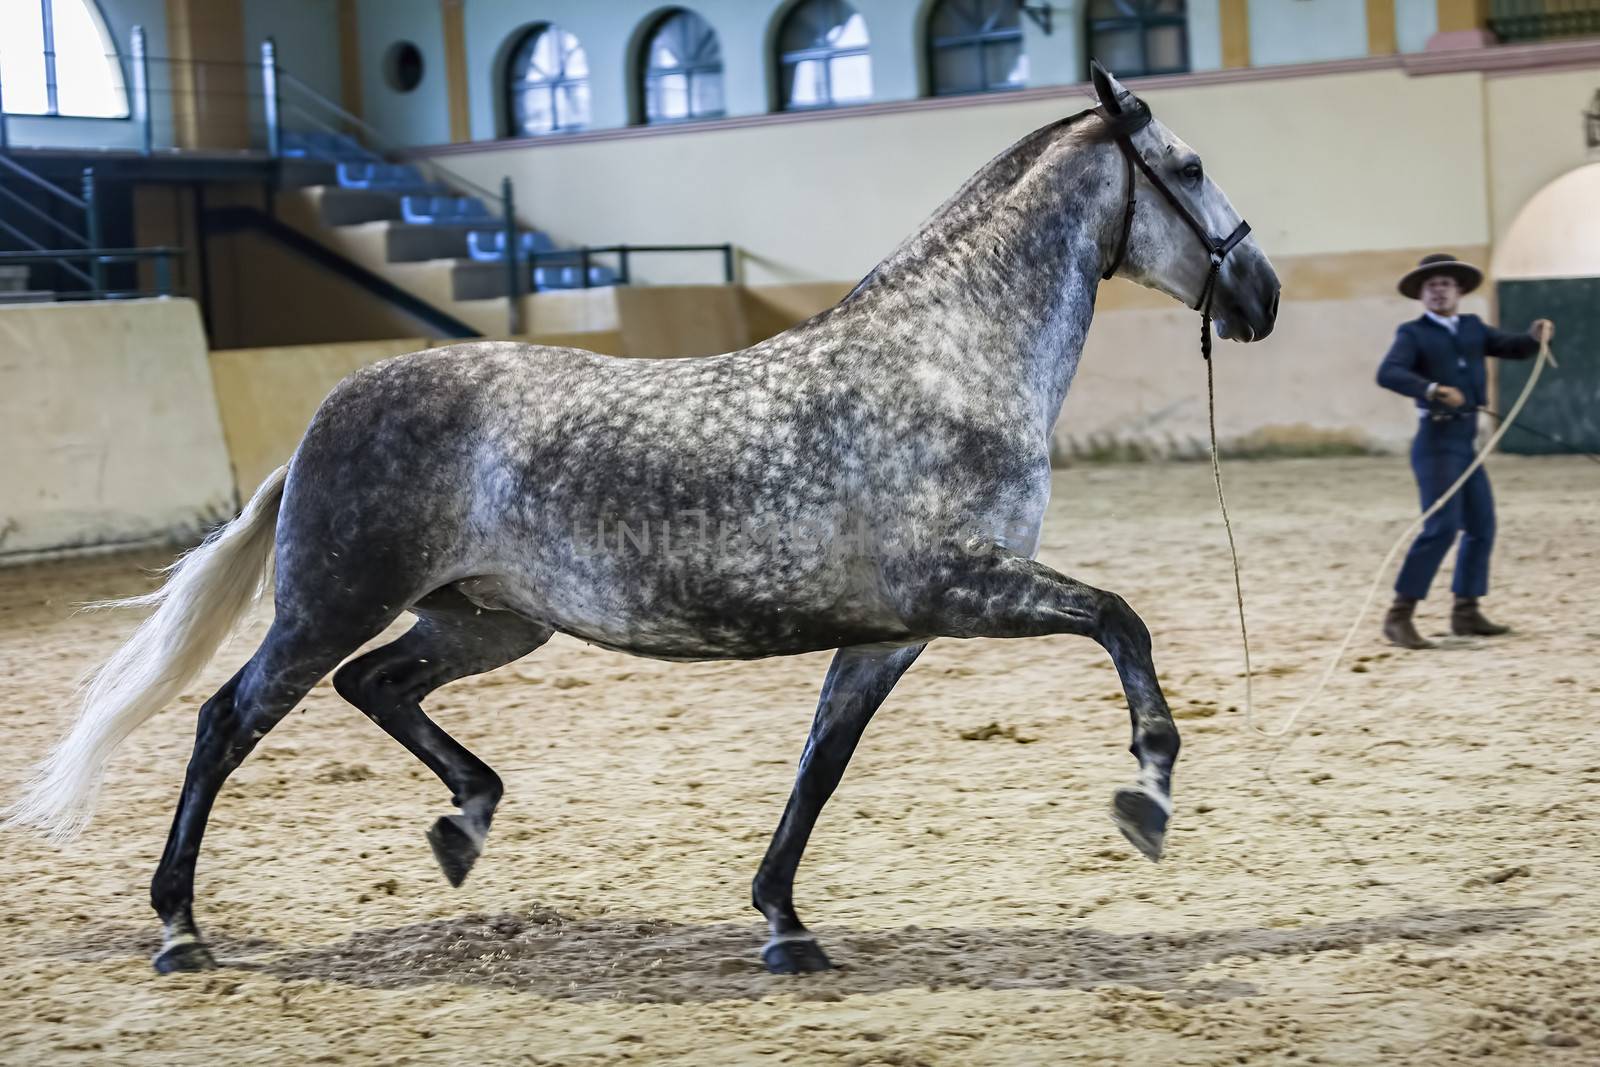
[1142,820]
[795,957]
[454,847]
[185,957]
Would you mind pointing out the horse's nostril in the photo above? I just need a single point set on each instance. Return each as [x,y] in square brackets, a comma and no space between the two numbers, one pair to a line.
[1273,309]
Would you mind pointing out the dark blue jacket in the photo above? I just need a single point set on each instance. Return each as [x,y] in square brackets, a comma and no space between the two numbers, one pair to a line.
[1425,352]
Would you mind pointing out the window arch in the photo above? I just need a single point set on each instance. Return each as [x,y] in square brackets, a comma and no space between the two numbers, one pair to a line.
[57,58]
[547,83]
[975,46]
[1139,37]
[680,72]
[823,57]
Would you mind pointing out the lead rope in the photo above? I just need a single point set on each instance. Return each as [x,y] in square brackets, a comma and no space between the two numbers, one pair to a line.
[1216,476]
[1377,579]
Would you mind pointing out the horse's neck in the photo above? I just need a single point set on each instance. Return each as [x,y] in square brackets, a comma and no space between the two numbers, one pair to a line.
[1000,285]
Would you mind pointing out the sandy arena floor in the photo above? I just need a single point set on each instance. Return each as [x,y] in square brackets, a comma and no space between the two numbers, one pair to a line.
[1422,891]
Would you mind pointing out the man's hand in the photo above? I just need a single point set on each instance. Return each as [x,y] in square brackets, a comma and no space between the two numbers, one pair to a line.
[1449,395]
[1542,330]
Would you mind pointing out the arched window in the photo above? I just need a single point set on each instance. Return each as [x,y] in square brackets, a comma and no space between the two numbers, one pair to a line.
[682,69]
[822,56]
[1135,37]
[975,46]
[56,58]
[547,83]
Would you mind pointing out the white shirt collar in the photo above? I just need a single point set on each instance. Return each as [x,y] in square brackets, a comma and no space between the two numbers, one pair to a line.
[1450,324]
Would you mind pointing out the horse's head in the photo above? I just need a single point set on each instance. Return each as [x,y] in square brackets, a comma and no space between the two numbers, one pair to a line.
[1183,219]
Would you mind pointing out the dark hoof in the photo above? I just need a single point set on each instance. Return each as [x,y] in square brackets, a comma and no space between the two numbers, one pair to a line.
[795,957]
[189,956]
[1141,820]
[454,848]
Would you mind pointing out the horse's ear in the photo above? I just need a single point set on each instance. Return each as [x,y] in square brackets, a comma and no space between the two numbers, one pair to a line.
[1114,96]
[1105,87]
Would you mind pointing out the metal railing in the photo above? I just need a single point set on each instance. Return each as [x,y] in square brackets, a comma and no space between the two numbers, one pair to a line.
[94,278]
[85,262]
[100,257]
[1543,20]
[584,259]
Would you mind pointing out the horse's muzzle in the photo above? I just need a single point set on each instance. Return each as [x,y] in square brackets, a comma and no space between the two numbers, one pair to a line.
[1247,310]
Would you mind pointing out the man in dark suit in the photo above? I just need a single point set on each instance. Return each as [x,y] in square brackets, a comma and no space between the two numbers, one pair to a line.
[1437,360]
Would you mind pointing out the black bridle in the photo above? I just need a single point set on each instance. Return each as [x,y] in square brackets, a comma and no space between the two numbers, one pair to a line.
[1122,125]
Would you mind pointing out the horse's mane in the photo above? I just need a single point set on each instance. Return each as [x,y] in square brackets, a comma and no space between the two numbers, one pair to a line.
[1004,171]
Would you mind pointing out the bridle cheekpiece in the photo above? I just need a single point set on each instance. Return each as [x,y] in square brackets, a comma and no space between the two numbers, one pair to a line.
[1121,124]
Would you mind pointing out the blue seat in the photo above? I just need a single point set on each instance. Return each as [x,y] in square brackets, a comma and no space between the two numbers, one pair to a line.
[427,210]
[490,245]
[364,175]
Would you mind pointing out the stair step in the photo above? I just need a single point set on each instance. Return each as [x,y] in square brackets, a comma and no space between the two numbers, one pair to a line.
[298,173]
[408,242]
[338,206]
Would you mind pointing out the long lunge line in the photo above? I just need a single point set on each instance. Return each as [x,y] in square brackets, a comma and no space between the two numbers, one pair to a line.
[1544,357]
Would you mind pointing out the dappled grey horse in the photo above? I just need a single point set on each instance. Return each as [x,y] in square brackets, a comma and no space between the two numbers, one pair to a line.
[867,481]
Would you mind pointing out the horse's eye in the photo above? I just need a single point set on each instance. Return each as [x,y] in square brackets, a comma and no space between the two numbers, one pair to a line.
[1192,172]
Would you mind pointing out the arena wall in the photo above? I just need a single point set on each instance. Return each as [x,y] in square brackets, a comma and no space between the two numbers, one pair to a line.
[108,425]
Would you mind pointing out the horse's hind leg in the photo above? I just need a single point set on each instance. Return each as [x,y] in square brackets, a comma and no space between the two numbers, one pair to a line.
[857,683]
[253,701]
[452,639]
[999,594]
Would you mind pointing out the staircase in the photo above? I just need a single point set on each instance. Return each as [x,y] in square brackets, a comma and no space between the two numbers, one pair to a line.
[437,237]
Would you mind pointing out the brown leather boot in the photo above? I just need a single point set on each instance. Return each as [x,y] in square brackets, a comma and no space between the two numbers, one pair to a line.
[1467,621]
[1398,627]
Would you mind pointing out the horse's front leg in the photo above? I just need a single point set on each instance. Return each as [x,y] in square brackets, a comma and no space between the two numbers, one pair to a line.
[857,683]
[991,592]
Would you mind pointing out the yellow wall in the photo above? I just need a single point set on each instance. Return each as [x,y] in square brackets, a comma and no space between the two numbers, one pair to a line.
[107,425]
[1234,17]
[210,92]
[457,76]
[1458,15]
[1382,33]
[267,396]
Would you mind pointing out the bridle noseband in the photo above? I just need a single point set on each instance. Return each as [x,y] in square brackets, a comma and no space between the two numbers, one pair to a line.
[1122,125]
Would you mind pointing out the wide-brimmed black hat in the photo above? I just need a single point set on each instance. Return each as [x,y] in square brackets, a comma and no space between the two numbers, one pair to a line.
[1466,274]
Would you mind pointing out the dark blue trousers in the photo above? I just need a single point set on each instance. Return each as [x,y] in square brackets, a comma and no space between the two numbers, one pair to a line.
[1441,451]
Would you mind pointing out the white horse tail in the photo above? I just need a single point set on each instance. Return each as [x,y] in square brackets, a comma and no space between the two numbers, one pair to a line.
[207,592]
